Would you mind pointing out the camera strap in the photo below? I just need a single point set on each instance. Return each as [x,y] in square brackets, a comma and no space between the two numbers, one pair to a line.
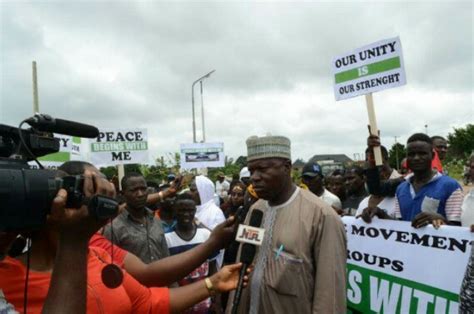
[112,275]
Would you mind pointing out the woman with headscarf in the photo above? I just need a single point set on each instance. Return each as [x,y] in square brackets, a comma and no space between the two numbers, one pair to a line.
[208,214]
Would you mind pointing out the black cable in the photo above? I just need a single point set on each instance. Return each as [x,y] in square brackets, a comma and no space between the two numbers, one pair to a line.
[25,292]
[20,133]
[112,249]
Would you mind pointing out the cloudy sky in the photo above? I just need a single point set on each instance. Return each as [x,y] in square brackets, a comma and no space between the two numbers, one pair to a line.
[131,64]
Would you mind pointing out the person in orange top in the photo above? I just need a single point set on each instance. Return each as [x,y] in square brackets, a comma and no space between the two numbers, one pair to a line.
[67,287]
[128,297]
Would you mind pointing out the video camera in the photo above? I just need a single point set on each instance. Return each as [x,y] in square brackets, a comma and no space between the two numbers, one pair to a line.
[26,194]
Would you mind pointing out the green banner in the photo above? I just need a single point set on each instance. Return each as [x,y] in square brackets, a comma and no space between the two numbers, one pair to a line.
[370,291]
[118,146]
[368,69]
[58,157]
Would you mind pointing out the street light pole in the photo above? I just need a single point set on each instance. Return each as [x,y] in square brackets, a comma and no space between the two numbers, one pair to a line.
[396,153]
[202,116]
[192,101]
[194,118]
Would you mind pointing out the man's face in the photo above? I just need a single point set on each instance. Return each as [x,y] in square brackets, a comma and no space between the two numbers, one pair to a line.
[441,147]
[268,176]
[354,183]
[220,179]
[336,185]
[419,156]
[314,184]
[185,211]
[136,193]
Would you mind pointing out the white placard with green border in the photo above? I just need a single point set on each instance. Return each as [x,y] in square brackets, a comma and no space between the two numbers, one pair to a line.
[202,155]
[119,146]
[69,149]
[369,69]
[394,268]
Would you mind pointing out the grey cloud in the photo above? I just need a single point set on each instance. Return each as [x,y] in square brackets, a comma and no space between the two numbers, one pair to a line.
[132,64]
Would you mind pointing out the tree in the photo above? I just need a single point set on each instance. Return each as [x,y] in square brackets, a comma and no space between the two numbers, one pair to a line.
[241,161]
[461,142]
[396,154]
[231,168]
[109,171]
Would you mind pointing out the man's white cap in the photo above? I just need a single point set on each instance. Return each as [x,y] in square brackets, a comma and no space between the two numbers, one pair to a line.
[244,173]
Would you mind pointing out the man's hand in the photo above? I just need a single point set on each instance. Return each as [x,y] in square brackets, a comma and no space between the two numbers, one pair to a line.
[338,211]
[423,219]
[227,278]
[77,222]
[372,141]
[369,213]
[224,233]
[175,186]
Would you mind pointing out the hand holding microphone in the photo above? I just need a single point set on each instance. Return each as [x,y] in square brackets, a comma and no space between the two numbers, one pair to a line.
[250,236]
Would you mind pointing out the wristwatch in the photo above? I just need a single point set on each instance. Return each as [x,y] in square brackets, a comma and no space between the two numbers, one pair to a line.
[210,287]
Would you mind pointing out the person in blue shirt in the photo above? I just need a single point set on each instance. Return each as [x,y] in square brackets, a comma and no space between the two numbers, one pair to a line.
[427,196]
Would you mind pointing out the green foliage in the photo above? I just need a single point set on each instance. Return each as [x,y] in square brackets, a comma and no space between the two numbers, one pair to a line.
[399,149]
[156,173]
[109,172]
[134,168]
[241,161]
[455,169]
[163,167]
[231,168]
[461,142]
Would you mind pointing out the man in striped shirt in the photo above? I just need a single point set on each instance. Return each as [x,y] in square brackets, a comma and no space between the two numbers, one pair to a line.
[427,196]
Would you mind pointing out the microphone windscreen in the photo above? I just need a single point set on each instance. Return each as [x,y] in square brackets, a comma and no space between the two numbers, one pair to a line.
[76,129]
[256,218]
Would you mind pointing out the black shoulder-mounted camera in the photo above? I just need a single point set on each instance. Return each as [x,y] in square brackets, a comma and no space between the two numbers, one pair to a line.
[26,194]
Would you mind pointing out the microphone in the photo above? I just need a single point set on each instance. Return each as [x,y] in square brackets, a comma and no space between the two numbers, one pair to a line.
[251,236]
[46,123]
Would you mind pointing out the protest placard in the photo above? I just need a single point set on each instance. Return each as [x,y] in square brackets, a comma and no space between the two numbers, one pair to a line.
[369,69]
[202,155]
[119,146]
[394,268]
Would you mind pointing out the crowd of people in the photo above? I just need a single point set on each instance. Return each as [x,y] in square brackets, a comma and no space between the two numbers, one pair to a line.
[171,247]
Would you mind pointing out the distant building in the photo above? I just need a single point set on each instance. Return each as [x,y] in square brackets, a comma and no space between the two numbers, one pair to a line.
[342,158]
[329,163]
[298,165]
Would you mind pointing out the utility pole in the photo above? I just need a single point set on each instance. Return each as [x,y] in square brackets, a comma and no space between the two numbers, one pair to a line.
[202,105]
[35,90]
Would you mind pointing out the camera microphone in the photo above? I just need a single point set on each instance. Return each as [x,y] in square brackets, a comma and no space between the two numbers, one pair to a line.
[46,123]
[251,236]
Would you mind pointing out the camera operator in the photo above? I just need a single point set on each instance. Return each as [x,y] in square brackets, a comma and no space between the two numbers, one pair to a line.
[65,239]
[167,270]
[72,228]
